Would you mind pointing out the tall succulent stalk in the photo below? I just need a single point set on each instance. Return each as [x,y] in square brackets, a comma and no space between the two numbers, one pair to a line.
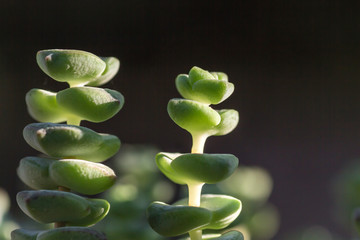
[71,154]
[198,212]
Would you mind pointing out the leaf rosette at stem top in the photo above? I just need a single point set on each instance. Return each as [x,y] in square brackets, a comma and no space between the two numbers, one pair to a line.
[203,86]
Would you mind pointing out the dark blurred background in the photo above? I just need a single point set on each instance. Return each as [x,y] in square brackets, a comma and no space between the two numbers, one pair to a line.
[294,65]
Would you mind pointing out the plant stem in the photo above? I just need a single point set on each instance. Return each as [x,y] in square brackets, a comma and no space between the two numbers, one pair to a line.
[198,143]
[196,235]
[195,189]
[73,121]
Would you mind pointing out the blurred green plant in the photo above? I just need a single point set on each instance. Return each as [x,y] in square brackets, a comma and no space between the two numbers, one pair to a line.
[7,224]
[260,219]
[70,164]
[198,212]
[139,183]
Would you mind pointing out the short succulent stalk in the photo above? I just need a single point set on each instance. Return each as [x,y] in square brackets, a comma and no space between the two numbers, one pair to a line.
[73,154]
[198,212]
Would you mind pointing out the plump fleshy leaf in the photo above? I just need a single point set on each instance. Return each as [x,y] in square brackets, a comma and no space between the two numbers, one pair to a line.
[196,74]
[208,168]
[171,221]
[193,116]
[112,67]
[91,103]
[163,161]
[99,208]
[203,86]
[68,141]
[82,176]
[43,107]
[46,206]
[224,209]
[76,233]
[23,234]
[73,66]
[34,172]
[229,120]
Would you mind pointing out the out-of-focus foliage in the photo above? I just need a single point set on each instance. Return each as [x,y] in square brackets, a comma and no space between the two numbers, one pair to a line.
[7,225]
[312,233]
[253,185]
[139,183]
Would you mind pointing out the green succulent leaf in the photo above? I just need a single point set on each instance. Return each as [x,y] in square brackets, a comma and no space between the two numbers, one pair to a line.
[78,233]
[163,161]
[172,221]
[46,206]
[43,107]
[90,103]
[73,66]
[203,86]
[193,116]
[23,234]
[208,168]
[34,172]
[112,67]
[68,141]
[196,74]
[229,120]
[224,209]
[82,176]
[99,208]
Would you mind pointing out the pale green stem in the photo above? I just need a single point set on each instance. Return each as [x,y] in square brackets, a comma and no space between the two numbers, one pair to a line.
[198,143]
[73,121]
[195,189]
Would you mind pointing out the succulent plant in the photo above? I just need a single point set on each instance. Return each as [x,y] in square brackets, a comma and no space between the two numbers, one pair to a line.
[198,212]
[71,158]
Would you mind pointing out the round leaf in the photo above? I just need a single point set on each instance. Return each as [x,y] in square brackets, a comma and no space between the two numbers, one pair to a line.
[23,234]
[90,103]
[229,120]
[112,67]
[47,206]
[42,106]
[193,116]
[172,221]
[224,209]
[163,161]
[99,208]
[196,74]
[78,233]
[34,172]
[73,66]
[68,141]
[208,168]
[82,176]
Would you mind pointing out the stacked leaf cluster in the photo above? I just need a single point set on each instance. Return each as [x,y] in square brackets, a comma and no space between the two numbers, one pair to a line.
[71,158]
[193,113]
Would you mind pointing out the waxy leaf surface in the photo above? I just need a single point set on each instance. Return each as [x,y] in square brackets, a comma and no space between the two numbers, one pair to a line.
[68,141]
[204,168]
[224,209]
[90,103]
[82,176]
[171,221]
[34,172]
[73,66]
